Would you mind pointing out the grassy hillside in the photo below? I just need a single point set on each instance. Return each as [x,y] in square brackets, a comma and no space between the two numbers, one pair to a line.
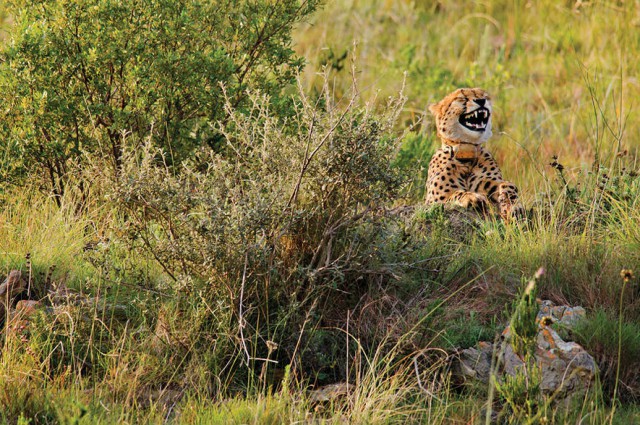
[563,74]
[292,251]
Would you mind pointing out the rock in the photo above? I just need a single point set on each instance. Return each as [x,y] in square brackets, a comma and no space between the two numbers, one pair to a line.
[26,308]
[20,316]
[566,367]
[511,361]
[329,393]
[476,363]
[564,315]
[12,286]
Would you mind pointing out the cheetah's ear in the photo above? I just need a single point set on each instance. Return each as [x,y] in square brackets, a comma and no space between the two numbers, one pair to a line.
[434,108]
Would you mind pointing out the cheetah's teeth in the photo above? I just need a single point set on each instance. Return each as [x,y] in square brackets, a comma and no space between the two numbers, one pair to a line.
[476,120]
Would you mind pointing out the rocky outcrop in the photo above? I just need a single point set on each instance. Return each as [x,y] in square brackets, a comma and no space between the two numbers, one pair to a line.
[562,315]
[329,392]
[13,285]
[16,311]
[566,368]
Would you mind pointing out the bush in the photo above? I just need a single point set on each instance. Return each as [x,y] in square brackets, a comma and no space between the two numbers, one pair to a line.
[414,155]
[276,222]
[96,76]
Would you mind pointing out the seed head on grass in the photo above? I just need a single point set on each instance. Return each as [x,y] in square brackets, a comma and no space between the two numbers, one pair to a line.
[539,273]
[272,346]
[532,283]
[555,164]
[626,275]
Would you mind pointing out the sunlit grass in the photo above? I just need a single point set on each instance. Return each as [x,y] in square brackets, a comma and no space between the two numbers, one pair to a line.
[564,79]
[563,74]
[32,223]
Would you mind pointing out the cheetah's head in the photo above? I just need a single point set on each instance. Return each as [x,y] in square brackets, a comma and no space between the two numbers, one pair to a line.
[463,116]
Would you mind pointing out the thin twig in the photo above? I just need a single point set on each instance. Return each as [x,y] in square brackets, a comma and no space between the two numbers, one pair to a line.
[241,322]
[347,359]
[308,159]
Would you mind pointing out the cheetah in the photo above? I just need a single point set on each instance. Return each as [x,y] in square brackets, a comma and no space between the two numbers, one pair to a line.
[462,172]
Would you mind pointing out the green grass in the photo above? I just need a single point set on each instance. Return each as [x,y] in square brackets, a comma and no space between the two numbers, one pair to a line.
[564,78]
[563,74]
[119,372]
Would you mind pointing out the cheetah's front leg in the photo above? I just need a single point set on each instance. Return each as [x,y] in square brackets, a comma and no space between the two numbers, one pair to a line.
[469,200]
[509,202]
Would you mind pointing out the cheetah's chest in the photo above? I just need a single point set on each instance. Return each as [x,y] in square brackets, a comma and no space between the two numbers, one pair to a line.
[464,173]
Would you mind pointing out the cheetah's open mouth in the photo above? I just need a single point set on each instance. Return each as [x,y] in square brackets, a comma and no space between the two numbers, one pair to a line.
[476,120]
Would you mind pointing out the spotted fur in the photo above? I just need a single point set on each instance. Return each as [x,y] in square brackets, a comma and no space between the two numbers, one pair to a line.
[462,171]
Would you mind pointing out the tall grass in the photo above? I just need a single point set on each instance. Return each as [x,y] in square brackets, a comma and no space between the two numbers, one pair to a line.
[168,334]
[32,223]
[563,74]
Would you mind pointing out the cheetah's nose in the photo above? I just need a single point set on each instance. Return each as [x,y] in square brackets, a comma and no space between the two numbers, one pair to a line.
[480,102]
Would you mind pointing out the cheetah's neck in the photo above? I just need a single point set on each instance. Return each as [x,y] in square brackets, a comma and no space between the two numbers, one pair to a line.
[463,151]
